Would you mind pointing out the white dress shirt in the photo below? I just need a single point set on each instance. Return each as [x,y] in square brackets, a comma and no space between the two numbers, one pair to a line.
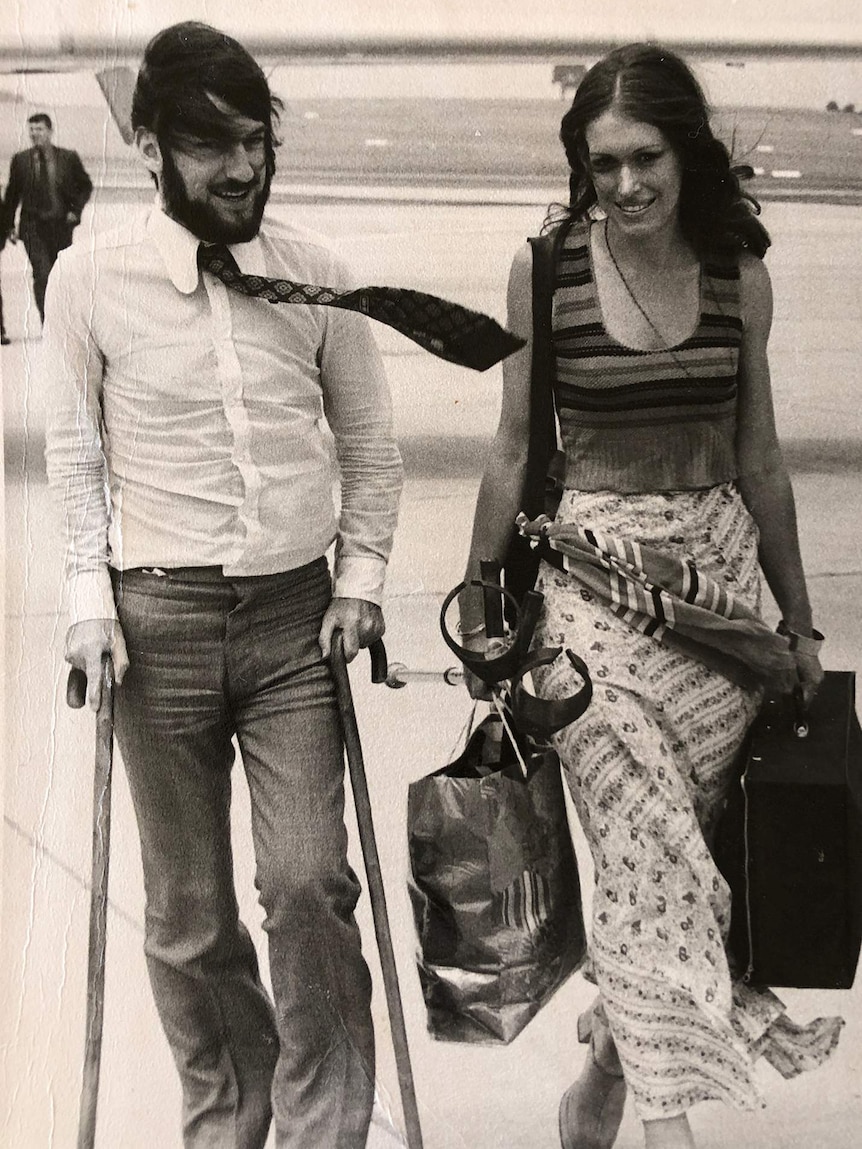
[186,420]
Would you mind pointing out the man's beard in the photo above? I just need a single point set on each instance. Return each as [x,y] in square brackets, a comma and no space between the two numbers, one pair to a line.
[202,219]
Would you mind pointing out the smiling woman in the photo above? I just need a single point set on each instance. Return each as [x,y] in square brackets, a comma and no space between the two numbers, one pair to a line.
[636,174]
[648,98]
[659,327]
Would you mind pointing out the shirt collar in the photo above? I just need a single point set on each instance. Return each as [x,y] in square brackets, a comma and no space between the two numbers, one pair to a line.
[178,249]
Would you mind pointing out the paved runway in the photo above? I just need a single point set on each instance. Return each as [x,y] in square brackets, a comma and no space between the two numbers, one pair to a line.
[470,1098]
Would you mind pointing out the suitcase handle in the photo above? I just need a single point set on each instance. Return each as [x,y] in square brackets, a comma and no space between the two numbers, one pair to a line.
[801,722]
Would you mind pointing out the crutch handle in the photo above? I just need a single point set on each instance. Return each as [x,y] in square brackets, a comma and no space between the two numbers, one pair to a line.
[76,688]
[379,663]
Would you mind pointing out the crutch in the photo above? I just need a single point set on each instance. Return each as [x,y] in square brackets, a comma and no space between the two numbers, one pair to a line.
[376,892]
[76,691]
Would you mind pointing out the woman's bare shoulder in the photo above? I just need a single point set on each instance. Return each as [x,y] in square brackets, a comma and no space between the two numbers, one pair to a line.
[519,295]
[522,260]
[755,291]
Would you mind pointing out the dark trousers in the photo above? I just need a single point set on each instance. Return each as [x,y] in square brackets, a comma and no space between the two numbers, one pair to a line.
[43,240]
[213,657]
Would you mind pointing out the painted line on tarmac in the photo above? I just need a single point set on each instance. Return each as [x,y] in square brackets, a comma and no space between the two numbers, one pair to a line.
[781,191]
[477,196]
[43,851]
[787,174]
[418,193]
[776,187]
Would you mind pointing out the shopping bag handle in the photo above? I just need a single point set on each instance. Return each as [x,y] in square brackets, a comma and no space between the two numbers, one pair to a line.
[497,668]
[542,717]
[491,571]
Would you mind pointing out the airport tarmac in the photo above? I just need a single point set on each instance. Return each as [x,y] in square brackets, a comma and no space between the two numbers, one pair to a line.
[470,1097]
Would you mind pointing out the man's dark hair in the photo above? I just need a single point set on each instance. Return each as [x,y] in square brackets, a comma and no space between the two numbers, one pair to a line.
[186,64]
[41,118]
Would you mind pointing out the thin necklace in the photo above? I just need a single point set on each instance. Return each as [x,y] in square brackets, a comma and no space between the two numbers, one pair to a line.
[665,346]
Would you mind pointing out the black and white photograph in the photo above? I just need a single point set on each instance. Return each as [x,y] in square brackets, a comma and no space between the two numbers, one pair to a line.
[432,491]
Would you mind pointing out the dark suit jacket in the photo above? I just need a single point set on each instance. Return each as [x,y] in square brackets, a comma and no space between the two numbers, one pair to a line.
[74,186]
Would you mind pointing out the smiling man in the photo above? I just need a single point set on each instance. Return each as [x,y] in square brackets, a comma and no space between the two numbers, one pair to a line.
[186,442]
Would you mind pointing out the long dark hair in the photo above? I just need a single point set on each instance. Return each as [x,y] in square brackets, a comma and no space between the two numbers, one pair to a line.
[185,64]
[654,86]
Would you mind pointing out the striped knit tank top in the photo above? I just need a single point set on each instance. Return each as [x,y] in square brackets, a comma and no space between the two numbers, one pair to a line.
[644,420]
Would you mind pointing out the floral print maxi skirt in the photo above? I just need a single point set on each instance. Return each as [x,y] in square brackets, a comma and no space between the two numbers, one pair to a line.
[649,765]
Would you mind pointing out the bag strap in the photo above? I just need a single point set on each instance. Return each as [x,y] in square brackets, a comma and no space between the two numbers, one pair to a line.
[543,427]
[522,558]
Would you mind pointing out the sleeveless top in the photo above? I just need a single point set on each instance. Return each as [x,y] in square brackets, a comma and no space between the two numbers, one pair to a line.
[635,420]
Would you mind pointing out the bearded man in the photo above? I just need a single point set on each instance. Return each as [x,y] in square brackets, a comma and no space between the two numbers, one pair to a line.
[187,443]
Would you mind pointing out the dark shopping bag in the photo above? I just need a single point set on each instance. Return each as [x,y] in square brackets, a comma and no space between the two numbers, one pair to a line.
[790,843]
[495,889]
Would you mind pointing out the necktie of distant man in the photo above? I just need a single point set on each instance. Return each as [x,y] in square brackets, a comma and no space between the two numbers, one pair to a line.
[446,329]
[42,195]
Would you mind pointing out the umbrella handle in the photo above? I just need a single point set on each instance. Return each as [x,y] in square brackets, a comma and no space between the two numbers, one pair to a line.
[76,689]
[374,874]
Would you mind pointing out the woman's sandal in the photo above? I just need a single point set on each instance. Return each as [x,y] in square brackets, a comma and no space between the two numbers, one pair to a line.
[591,1110]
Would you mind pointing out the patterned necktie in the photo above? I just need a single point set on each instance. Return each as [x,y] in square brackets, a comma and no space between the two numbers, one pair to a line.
[446,329]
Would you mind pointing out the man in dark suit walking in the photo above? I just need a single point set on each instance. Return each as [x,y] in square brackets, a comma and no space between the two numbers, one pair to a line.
[52,188]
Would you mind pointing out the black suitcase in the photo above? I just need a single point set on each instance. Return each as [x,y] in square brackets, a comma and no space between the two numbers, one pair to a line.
[790,843]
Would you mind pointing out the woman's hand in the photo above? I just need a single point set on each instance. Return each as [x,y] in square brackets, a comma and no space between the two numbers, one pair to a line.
[475,686]
[491,648]
[810,675]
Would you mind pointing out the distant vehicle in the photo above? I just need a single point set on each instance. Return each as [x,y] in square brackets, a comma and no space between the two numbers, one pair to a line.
[568,76]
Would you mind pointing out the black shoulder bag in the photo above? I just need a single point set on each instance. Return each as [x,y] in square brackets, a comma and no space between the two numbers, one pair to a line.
[541,484]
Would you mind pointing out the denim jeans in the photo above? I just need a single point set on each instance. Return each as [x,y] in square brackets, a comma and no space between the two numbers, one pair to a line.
[213,657]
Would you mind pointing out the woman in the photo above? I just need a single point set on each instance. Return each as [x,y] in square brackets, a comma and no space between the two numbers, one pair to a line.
[661,317]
